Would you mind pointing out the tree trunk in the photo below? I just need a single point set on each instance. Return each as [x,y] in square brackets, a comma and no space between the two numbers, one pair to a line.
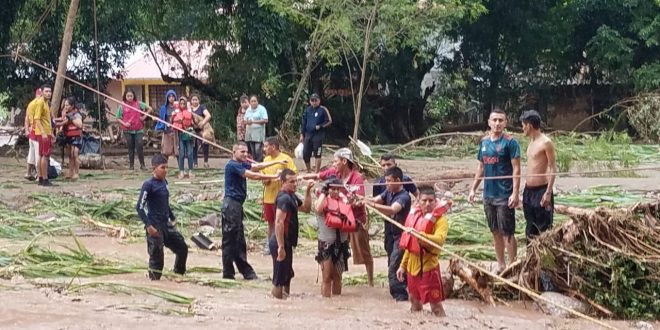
[64,55]
[365,56]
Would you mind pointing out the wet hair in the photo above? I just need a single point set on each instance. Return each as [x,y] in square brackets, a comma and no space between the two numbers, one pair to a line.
[255,96]
[44,86]
[244,98]
[426,190]
[158,159]
[394,172]
[286,172]
[387,157]
[531,117]
[128,90]
[273,140]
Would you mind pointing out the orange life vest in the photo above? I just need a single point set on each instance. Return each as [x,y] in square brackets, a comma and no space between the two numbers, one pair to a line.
[70,129]
[422,223]
[339,215]
[183,119]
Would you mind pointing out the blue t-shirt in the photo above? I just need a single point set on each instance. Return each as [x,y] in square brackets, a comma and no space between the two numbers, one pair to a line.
[379,188]
[402,198]
[312,117]
[235,183]
[496,157]
[154,198]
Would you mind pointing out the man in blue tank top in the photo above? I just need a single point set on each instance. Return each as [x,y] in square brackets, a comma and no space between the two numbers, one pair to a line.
[499,155]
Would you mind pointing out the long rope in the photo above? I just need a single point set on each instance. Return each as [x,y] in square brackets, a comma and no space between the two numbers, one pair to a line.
[156,118]
[558,174]
[415,233]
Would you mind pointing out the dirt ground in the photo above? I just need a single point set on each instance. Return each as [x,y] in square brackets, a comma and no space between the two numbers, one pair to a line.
[249,306]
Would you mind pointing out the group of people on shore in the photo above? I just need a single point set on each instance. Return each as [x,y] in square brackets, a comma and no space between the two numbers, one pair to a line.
[43,128]
[340,206]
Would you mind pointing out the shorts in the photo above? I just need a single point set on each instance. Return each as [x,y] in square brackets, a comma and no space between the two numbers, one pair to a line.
[312,146]
[426,288]
[539,219]
[360,247]
[33,154]
[45,146]
[269,212]
[338,253]
[282,270]
[499,216]
[75,141]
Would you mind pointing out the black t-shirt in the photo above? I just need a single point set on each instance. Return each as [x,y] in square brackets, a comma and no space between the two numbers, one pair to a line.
[402,198]
[289,203]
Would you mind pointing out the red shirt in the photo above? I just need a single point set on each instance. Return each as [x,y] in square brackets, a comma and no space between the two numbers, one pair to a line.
[354,178]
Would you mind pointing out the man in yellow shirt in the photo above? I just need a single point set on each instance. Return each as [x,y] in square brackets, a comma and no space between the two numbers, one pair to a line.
[423,269]
[33,153]
[44,132]
[273,187]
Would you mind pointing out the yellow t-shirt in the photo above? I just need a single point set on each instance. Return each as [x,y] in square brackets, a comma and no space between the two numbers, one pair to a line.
[42,115]
[411,262]
[30,112]
[272,187]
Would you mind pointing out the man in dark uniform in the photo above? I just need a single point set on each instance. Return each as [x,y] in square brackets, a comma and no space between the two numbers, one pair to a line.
[315,120]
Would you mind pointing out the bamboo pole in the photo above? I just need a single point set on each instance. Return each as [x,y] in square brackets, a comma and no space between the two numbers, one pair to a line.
[64,55]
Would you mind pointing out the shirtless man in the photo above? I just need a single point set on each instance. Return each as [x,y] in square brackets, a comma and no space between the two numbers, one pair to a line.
[538,202]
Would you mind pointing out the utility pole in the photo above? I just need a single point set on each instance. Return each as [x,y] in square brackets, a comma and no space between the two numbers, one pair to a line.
[64,55]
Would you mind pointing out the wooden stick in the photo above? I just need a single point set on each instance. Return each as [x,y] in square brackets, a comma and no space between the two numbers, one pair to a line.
[413,142]
[457,267]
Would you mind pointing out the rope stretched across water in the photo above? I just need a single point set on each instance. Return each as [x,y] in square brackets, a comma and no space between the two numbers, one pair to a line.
[493,275]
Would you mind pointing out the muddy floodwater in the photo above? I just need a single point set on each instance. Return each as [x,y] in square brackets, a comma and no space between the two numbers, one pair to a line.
[28,304]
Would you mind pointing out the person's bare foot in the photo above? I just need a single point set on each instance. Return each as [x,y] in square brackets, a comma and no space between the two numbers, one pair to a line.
[191,175]
[180,176]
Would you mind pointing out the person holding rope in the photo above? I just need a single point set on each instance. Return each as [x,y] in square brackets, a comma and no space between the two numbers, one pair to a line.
[72,123]
[388,161]
[499,155]
[273,187]
[420,266]
[132,123]
[538,201]
[285,237]
[169,144]
[345,169]
[394,202]
[234,247]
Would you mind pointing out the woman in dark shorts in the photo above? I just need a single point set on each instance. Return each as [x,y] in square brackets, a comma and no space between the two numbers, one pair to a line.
[71,122]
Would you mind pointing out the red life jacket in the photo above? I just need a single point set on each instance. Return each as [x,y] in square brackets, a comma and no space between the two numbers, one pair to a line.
[422,223]
[71,130]
[339,215]
[183,119]
[132,116]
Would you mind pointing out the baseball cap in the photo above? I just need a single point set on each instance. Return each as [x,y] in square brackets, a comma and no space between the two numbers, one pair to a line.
[346,154]
[314,97]
[529,114]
